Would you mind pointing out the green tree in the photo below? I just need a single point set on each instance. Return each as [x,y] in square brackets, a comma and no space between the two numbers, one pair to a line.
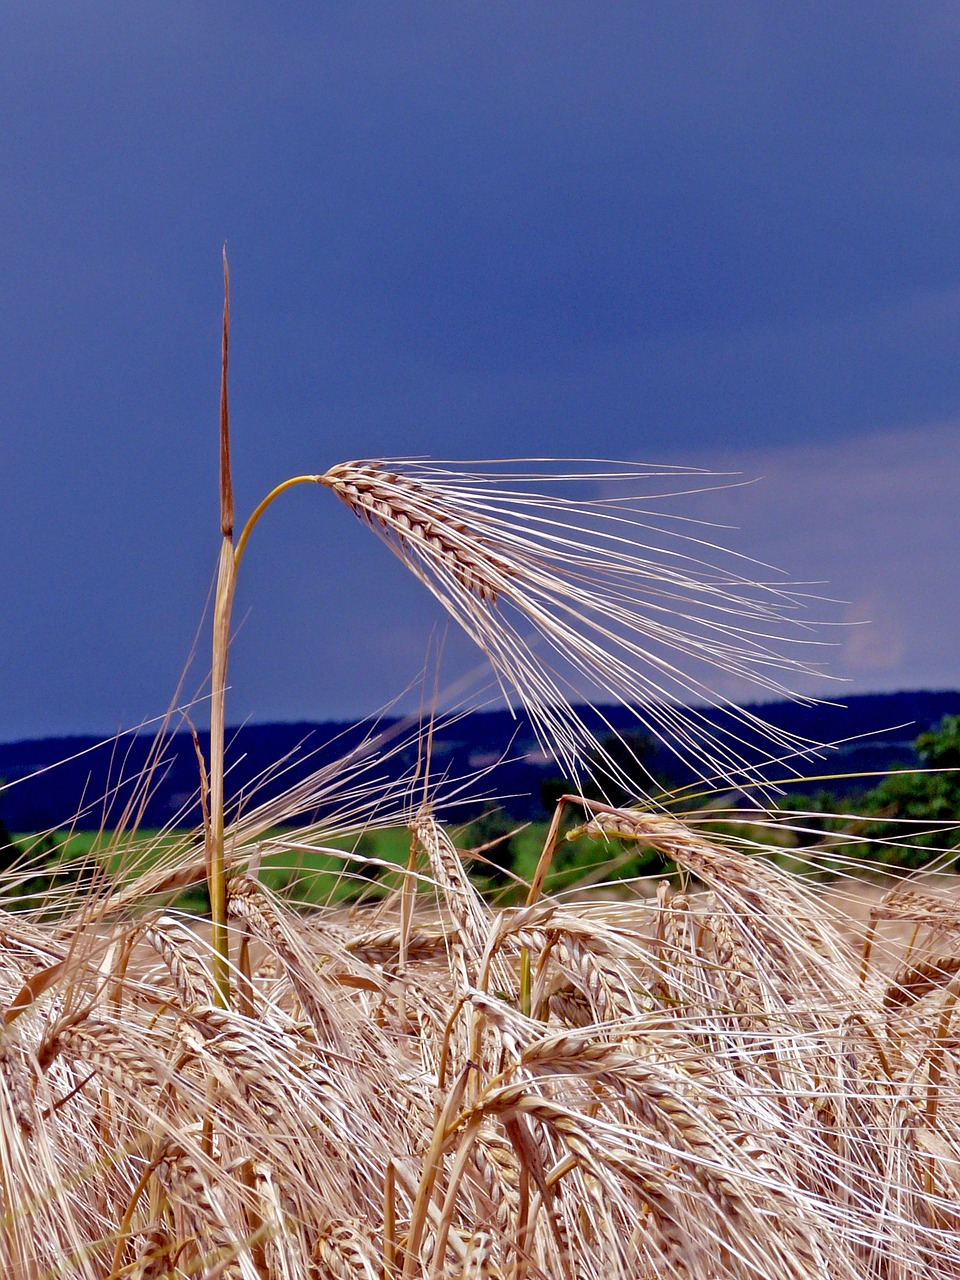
[911,817]
[940,749]
[620,757]
[914,816]
[492,838]
[9,852]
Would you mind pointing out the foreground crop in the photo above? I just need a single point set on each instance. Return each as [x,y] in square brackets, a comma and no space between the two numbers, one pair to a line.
[709,1084]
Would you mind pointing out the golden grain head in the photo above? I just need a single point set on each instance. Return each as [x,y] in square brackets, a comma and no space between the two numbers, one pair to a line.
[421,525]
[568,602]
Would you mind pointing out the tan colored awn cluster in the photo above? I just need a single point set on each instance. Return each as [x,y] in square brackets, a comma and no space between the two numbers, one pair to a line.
[612,618]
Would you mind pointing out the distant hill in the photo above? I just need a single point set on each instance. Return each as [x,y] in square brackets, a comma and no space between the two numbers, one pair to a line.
[73,775]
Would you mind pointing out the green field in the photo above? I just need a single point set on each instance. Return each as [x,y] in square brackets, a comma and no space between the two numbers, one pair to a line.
[347,869]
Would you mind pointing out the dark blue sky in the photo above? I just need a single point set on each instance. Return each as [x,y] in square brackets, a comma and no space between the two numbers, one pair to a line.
[684,233]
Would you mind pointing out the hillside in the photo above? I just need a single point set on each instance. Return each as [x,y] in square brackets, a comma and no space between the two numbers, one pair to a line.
[48,782]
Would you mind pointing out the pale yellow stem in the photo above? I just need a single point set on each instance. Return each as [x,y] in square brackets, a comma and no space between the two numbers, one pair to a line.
[216,859]
[216,868]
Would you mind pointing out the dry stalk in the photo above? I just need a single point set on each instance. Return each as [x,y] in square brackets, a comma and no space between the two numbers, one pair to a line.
[222,609]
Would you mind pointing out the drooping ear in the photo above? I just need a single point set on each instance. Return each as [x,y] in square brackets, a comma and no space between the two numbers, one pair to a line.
[591,601]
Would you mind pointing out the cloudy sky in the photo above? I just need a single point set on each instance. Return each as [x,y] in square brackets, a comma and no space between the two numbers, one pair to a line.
[719,234]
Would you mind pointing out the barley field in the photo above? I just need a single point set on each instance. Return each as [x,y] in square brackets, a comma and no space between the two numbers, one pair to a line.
[726,1077]
[727,1074]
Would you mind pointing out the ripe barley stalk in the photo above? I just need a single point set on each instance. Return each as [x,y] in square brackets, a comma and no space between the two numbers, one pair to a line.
[222,609]
[611,617]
